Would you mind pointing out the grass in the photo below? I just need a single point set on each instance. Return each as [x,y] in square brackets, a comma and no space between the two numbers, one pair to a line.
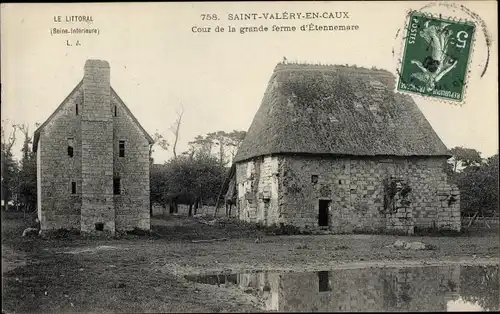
[120,280]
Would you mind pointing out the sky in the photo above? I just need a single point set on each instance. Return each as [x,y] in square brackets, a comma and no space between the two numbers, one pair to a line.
[158,64]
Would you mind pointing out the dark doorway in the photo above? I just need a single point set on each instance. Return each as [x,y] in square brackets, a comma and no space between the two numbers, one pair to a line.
[323,212]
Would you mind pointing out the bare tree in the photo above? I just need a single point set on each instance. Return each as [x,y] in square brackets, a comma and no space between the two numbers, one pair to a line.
[175,129]
[11,140]
[8,164]
[24,128]
[27,176]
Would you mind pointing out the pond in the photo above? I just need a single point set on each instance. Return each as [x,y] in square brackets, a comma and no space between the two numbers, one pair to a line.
[448,288]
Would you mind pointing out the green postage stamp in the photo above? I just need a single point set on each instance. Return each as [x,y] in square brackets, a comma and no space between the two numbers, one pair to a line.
[436,57]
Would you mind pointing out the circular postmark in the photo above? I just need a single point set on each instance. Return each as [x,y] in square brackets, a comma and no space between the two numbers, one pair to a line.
[437,45]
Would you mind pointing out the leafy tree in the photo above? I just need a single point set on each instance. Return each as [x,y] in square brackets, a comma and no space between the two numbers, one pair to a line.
[479,186]
[200,145]
[464,157]
[476,178]
[235,139]
[160,141]
[157,185]
[186,180]
[225,141]
[194,177]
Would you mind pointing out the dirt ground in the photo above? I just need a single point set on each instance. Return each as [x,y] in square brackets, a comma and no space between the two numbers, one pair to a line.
[145,273]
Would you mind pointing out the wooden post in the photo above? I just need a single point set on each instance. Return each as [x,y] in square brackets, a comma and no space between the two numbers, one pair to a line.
[485,221]
[217,202]
[473,218]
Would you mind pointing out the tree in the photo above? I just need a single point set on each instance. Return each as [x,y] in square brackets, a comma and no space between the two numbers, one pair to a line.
[186,180]
[209,178]
[9,165]
[235,139]
[221,139]
[27,173]
[464,157]
[476,178]
[200,145]
[157,185]
[479,187]
[158,140]
[225,141]
[175,129]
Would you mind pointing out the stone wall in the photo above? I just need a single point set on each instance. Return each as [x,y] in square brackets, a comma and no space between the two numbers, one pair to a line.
[257,183]
[356,189]
[97,148]
[57,207]
[88,116]
[132,205]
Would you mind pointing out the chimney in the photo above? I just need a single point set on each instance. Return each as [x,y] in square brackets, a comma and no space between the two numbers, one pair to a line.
[97,142]
[96,91]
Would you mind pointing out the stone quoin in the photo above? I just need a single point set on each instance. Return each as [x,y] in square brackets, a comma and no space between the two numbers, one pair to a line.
[93,160]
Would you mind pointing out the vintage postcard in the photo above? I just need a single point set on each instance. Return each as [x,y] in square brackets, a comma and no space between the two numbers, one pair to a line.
[250,156]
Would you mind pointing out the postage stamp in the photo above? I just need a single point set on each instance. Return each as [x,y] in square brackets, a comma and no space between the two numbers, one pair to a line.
[436,56]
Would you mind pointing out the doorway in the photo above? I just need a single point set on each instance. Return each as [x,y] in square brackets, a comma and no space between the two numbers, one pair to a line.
[323,213]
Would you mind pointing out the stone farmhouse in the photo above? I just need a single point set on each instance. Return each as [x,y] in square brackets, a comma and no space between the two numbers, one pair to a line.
[334,147]
[93,160]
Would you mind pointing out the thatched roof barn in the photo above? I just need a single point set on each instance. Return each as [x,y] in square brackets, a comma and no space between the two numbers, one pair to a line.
[313,109]
[325,145]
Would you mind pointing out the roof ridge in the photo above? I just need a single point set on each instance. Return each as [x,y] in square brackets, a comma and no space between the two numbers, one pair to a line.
[339,67]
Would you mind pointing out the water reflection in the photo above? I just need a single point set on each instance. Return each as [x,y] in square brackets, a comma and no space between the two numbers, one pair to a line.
[448,288]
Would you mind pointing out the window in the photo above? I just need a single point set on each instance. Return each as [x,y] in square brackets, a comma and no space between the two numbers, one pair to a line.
[70,147]
[314,178]
[116,186]
[76,109]
[116,112]
[99,226]
[324,281]
[73,187]
[122,148]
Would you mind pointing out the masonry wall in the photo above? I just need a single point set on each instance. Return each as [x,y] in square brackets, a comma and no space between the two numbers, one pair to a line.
[88,117]
[57,207]
[97,148]
[132,205]
[356,189]
[257,183]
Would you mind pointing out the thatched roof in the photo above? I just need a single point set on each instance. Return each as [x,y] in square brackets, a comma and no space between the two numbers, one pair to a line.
[337,110]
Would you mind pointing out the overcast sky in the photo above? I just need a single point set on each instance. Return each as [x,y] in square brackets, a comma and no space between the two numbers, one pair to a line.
[158,63]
